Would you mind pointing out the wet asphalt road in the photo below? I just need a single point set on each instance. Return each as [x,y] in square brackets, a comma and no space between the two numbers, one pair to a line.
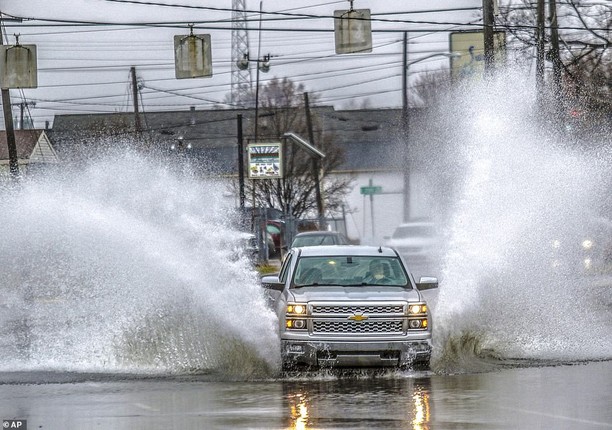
[545,397]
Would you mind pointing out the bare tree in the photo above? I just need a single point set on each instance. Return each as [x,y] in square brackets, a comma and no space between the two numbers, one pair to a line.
[429,88]
[282,109]
[353,104]
[585,46]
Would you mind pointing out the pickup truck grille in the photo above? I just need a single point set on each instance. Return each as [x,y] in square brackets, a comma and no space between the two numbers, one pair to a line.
[383,309]
[353,327]
[357,318]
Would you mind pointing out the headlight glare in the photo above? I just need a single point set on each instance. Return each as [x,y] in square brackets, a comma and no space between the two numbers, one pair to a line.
[416,309]
[296,309]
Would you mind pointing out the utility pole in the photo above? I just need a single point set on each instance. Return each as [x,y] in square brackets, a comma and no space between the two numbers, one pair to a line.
[406,130]
[405,76]
[540,29]
[10,131]
[554,46]
[488,33]
[22,107]
[315,165]
[240,164]
[135,99]
[10,134]
[257,73]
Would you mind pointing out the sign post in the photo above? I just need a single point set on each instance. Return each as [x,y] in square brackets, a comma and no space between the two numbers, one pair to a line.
[370,190]
[18,69]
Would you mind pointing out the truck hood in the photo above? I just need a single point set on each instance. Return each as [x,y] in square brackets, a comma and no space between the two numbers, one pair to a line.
[356,294]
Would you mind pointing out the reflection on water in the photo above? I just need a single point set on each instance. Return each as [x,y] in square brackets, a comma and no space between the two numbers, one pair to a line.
[420,401]
[391,401]
[299,411]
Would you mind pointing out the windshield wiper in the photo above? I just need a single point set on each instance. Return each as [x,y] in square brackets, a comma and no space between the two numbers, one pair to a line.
[325,284]
[314,284]
[373,284]
[363,284]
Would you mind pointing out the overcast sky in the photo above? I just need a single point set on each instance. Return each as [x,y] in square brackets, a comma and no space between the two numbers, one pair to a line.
[84,68]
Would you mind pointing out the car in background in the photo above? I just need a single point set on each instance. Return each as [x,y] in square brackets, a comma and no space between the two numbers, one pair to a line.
[584,247]
[318,238]
[350,306]
[416,241]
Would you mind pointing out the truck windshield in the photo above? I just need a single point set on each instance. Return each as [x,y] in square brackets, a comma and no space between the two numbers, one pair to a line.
[350,271]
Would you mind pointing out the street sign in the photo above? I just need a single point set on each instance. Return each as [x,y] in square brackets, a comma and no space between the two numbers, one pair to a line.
[192,56]
[371,190]
[18,66]
[353,31]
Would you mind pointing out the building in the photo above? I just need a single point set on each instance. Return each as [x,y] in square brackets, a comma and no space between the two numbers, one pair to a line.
[370,138]
[34,151]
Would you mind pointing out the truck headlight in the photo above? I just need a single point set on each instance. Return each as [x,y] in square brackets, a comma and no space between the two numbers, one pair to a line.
[417,308]
[418,323]
[296,309]
[296,324]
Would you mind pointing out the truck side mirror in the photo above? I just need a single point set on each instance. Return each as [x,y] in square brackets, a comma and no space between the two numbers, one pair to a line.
[427,283]
[271,282]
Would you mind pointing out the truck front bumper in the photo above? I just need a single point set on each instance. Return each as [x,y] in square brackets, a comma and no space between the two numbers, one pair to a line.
[355,354]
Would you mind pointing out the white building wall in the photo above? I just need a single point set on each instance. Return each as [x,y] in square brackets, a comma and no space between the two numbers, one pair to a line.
[371,218]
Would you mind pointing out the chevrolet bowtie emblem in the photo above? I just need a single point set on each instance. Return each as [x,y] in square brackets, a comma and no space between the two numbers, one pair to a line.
[358,317]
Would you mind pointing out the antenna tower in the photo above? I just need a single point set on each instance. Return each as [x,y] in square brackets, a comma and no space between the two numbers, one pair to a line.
[242,82]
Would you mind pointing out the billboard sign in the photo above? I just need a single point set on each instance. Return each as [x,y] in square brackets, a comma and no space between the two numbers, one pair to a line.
[470,46]
[265,160]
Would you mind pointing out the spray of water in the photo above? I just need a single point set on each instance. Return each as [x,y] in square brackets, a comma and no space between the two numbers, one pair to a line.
[124,266]
[518,187]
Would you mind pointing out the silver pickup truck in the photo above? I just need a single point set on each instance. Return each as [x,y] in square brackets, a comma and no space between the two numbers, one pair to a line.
[350,306]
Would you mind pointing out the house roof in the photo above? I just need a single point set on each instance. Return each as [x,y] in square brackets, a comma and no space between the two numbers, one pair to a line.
[368,137]
[25,141]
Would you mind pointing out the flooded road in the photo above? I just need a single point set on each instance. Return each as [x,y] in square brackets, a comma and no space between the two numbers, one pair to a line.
[551,397]
[122,267]
[98,285]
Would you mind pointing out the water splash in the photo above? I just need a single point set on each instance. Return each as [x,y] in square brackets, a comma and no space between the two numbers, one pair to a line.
[123,266]
[517,188]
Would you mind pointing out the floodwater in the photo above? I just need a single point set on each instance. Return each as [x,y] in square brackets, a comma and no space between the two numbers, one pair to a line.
[559,397]
[123,303]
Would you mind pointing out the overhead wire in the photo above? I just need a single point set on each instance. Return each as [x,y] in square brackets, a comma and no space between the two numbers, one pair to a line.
[283,59]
